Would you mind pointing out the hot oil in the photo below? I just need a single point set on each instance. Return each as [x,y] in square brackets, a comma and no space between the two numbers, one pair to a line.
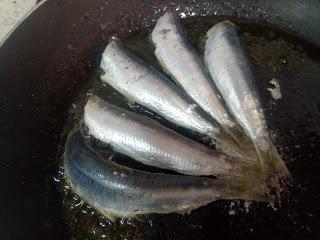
[293,120]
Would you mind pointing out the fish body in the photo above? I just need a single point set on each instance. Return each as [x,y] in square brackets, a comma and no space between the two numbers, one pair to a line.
[119,191]
[230,71]
[143,84]
[146,141]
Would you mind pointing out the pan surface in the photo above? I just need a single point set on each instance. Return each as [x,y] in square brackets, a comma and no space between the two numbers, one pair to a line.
[55,51]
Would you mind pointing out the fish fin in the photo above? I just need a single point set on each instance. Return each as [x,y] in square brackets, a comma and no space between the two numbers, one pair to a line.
[242,149]
[276,173]
[250,187]
[273,168]
[271,161]
[227,149]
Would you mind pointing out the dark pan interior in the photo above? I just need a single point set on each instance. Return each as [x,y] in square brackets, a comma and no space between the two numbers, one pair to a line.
[52,54]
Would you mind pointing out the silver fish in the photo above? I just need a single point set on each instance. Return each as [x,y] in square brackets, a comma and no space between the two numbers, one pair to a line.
[143,84]
[179,59]
[147,141]
[231,73]
[119,191]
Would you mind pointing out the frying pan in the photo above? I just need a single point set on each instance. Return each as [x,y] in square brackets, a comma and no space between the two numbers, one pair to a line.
[52,54]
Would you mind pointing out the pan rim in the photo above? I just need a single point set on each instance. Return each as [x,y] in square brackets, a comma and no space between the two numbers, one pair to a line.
[7,36]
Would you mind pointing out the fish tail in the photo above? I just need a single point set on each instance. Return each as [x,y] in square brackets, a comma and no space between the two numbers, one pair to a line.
[273,167]
[272,161]
[247,188]
[227,143]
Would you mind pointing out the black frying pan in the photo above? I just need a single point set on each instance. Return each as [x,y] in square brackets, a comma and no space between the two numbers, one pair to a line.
[53,53]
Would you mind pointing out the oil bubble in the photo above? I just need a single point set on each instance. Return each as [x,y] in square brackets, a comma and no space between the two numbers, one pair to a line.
[104,223]
[76,201]
[283,60]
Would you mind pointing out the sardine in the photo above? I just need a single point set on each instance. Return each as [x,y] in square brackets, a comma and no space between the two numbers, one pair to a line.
[119,191]
[143,84]
[178,58]
[147,141]
[231,73]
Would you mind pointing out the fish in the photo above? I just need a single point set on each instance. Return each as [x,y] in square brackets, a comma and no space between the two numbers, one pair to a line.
[141,83]
[179,59]
[150,143]
[231,72]
[118,191]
